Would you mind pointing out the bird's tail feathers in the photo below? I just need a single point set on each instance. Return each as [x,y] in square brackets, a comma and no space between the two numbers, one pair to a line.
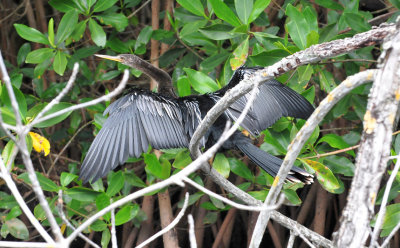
[271,164]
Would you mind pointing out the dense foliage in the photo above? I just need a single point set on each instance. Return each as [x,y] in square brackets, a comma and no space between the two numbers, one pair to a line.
[203,42]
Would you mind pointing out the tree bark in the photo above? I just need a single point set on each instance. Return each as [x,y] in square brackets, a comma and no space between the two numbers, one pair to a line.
[374,149]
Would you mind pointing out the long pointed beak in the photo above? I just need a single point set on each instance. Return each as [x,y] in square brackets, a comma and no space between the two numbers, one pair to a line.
[114,58]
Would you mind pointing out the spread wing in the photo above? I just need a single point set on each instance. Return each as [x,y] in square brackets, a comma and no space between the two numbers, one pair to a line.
[137,120]
[273,101]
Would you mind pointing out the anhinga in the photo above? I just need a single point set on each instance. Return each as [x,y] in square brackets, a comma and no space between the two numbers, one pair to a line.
[143,117]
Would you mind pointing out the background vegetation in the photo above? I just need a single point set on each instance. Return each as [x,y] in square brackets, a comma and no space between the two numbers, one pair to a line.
[199,43]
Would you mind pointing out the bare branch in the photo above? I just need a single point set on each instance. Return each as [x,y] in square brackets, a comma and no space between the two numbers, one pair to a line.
[192,236]
[107,97]
[302,136]
[170,226]
[374,151]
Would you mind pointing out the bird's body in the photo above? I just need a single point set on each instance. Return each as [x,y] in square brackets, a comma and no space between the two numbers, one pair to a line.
[142,118]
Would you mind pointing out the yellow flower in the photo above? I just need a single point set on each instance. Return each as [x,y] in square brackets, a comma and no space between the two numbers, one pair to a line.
[40,144]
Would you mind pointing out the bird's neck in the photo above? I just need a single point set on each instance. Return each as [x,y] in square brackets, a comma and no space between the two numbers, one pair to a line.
[163,79]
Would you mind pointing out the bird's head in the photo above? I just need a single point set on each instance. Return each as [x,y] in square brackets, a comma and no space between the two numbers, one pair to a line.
[126,59]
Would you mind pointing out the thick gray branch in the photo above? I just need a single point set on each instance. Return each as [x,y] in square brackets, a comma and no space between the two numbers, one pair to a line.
[374,149]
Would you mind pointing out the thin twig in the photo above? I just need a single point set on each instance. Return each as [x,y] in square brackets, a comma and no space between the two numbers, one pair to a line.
[382,209]
[170,226]
[22,204]
[113,230]
[65,219]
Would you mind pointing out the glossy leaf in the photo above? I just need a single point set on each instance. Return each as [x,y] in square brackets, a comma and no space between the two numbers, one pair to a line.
[82,194]
[7,151]
[50,31]
[132,179]
[31,34]
[258,7]
[297,27]
[23,52]
[244,9]
[66,178]
[117,20]
[66,26]
[5,100]
[115,182]
[269,57]
[221,164]
[329,4]
[39,55]
[200,81]
[224,12]
[335,141]
[154,166]
[240,169]
[63,5]
[45,183]
[126,213]
[218,32]
[324,175]
[103,200]
[60,63]
[102,5]
[105,238]
[292,196]
[193,6]
[97,33]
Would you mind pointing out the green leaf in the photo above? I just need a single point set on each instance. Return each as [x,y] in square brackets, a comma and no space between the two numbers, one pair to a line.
[144,36]
[105,238]
[102,5]
[51,32]
[192,199]
[39,55]
[14,213]
[66,26]
[269,57]
[258,7]
[221,164]
[8,150]
[392,216]
[240,54]
[115,182]
[356,22]
[98,226]
[244,9]
[126,214]
[329,4]
[153,165]
[82,194]
[66,178]
[327,81]
[324,175]
[184,89]
[240,169]
[17,228]
[63,5]
[60,63]
[5,100]
[31,34]
[193,6]
[103,200]
[292,196]
[50,122]
[200,81]
[117,20]
[45,183]
[23,52]
[340,165]
[297,27]
[40,213]
[218,32]
[132,179]
[210,218]
[335,141]
[224,12]
[98,35]
[217,203]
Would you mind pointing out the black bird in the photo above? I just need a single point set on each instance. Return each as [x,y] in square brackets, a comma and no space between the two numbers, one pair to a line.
[142,118]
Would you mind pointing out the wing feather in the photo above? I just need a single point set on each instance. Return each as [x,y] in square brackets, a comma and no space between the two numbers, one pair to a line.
[274,100]
[137,120]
